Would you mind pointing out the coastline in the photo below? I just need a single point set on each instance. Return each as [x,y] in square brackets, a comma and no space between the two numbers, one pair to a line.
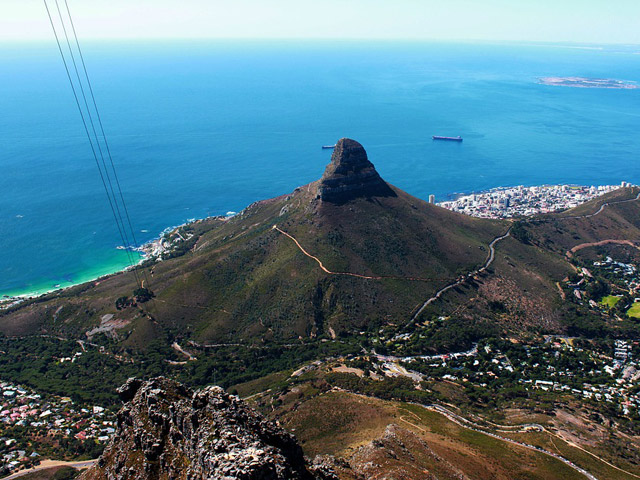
[44,287]
[165,242]
[153,249]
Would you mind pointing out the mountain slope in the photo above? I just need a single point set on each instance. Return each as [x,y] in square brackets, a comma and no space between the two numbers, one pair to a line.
[342,255]
[243,279]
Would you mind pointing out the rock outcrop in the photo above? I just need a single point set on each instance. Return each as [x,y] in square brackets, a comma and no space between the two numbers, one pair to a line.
[167,431]
[351,175]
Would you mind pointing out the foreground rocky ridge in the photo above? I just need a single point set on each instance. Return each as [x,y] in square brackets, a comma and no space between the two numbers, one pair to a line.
[167,431]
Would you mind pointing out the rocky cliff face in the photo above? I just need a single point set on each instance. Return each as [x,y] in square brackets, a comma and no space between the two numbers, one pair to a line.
[351,175]
[167,431]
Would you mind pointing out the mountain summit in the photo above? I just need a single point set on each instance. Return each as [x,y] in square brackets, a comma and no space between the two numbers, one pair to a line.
[351,175]
[350,252]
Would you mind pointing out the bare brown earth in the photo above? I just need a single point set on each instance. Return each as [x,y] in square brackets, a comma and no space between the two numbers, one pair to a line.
[342,424]
[599,244]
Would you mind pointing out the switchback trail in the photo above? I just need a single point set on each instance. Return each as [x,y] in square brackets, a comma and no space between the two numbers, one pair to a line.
[487,263]
[461,280]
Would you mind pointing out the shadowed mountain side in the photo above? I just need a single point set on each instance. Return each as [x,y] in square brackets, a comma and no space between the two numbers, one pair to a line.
[351,175]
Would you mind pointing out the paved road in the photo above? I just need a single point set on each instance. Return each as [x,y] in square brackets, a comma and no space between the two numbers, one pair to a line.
[46,464]
[602,207]
[461,280]
[463,422]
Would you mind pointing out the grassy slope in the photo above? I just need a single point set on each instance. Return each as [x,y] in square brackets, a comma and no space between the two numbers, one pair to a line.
[244,281]
[561,232]
[634,311]
[337,423]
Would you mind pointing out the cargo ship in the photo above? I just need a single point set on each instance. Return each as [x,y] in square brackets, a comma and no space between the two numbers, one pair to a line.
[451,139]
[326,147]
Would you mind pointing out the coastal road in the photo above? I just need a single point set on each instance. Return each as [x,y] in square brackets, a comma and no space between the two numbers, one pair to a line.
[46,464]
[461,280]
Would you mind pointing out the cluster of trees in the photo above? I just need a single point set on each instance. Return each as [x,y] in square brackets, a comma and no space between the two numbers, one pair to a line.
[455,334]
[94,376]
[394,388]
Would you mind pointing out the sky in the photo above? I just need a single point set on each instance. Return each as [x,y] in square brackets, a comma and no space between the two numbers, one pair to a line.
[574,21]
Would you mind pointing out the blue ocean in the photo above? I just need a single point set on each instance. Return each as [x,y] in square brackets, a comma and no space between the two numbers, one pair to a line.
[204,128]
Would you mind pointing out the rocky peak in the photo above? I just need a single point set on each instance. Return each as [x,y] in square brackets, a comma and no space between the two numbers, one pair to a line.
[351,175]
[167,431]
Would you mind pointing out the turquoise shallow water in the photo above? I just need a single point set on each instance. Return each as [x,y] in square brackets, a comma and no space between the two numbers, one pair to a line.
[200,129]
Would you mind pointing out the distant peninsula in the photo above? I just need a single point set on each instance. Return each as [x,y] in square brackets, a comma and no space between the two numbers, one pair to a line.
[583,82]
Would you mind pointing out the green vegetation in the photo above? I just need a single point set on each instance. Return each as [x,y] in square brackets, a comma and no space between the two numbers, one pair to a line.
[94,375]
[398,388]
[610,301]
[54,473]
[634,311]
[238,278]
[66,473]
[142,295]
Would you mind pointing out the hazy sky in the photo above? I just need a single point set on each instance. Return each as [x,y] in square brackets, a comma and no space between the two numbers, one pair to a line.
[584,21]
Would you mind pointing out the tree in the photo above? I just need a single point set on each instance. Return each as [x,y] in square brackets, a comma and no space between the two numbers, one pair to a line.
[123,302]
[143,294]
[597,289]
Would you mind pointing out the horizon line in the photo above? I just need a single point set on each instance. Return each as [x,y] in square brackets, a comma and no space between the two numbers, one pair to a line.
[568,43]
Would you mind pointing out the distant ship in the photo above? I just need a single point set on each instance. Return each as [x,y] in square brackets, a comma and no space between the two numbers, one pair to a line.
[451,139]
[326,147]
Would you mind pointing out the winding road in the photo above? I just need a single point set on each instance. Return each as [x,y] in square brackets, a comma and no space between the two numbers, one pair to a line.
[461,280]
[464,423]
[602,207]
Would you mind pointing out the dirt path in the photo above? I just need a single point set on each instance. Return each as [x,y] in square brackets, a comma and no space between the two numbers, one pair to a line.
[525,428]
[181,350]
[46,464]
[349,274]
[469,425]
[570,253]
[464,423]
